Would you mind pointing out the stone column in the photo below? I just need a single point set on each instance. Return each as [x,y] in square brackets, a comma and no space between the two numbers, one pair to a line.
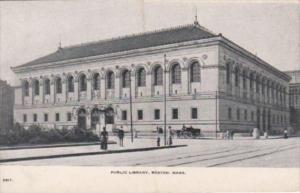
[149,84]
[64,89]
[184,81]
[41,94]
[117,85]
[52,91]
[88,118]
[102,87]
[89,88]
[133,85]
[168,83]
[31,96]
[76,90]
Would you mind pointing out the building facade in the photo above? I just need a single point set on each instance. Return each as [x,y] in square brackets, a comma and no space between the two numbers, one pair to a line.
[210,83]
[294,90]
[6,106]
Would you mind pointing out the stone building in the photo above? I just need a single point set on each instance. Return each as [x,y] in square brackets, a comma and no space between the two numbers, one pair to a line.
[211,83]
[294,90]
[6,106]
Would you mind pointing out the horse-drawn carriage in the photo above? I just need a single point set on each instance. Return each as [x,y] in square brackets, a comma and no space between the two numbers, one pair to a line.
[188,132]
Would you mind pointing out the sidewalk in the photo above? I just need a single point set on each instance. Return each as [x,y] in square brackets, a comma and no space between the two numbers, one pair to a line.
[68,151]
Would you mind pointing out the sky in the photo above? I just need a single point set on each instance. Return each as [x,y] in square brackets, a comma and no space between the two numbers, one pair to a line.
[31,29]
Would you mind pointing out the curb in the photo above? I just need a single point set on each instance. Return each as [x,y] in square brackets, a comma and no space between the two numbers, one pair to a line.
[53,146]
[87,153]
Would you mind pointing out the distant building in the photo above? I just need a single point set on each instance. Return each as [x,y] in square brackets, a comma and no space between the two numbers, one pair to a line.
[211,83]
[6,106]
[294,90]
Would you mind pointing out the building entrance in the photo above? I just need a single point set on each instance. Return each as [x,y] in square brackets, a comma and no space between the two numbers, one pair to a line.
[81,119]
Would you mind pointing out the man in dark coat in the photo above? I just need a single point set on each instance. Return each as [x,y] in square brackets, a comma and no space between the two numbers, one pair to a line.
[104,139]
[121,136]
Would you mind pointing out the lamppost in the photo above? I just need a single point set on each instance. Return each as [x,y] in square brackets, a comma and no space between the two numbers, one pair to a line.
[165,101]
[130,106]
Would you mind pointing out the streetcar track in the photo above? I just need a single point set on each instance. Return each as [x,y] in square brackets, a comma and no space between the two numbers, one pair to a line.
[251,157]
[224,156]
[181,157]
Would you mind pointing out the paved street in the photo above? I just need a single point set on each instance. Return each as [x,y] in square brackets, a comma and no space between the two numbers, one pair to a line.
[242,152]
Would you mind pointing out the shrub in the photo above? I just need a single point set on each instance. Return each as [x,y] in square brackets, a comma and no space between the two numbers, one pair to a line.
[35,134]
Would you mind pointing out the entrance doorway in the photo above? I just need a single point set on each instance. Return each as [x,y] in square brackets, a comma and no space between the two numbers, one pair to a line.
[109,116]
[81,119]
[95,118]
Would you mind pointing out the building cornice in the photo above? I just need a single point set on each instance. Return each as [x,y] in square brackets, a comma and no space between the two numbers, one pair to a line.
[241,51]
[118,55]
[159,49]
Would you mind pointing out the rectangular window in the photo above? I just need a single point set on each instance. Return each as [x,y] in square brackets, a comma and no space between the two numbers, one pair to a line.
[124,115]
[24,118]
[175,113]
[56,117]
[238,114]
[46,117]
[34,117]
[157,114]
[245,115]
[69,116]
[229,113]
[140,114]
[252,116]
[194,113]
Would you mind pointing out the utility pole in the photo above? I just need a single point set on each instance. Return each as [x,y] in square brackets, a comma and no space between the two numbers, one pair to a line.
[165,101]
[130,104]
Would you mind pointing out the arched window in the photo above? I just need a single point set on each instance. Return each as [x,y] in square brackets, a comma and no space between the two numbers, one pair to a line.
[110,80]
[228,73]
[47,86]
[236,76]
[195,72]
[126,79]
[82,83]
[96,81]
[158,75]
[26,88]
[141,77]
[58,85]
[70,84]
[36,87]
[176,74]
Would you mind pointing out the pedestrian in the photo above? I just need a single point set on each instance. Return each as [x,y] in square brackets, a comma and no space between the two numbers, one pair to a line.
[158,141]
[285,133]
[231,134]
[121,136]
[104,139]
[228,134]
[170,136]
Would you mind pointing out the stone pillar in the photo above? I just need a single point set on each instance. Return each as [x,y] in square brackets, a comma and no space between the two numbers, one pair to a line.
[64,90]
[133,87]
[102,87]
[76,90]
[89,88]
[117,85]
[88,118]
[31,96]
[168,83]
[42,94]
[184,81]
[149,84]
[52,91]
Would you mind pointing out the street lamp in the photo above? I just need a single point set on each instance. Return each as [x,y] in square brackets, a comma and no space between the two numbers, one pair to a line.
[130,106]
[165,101]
